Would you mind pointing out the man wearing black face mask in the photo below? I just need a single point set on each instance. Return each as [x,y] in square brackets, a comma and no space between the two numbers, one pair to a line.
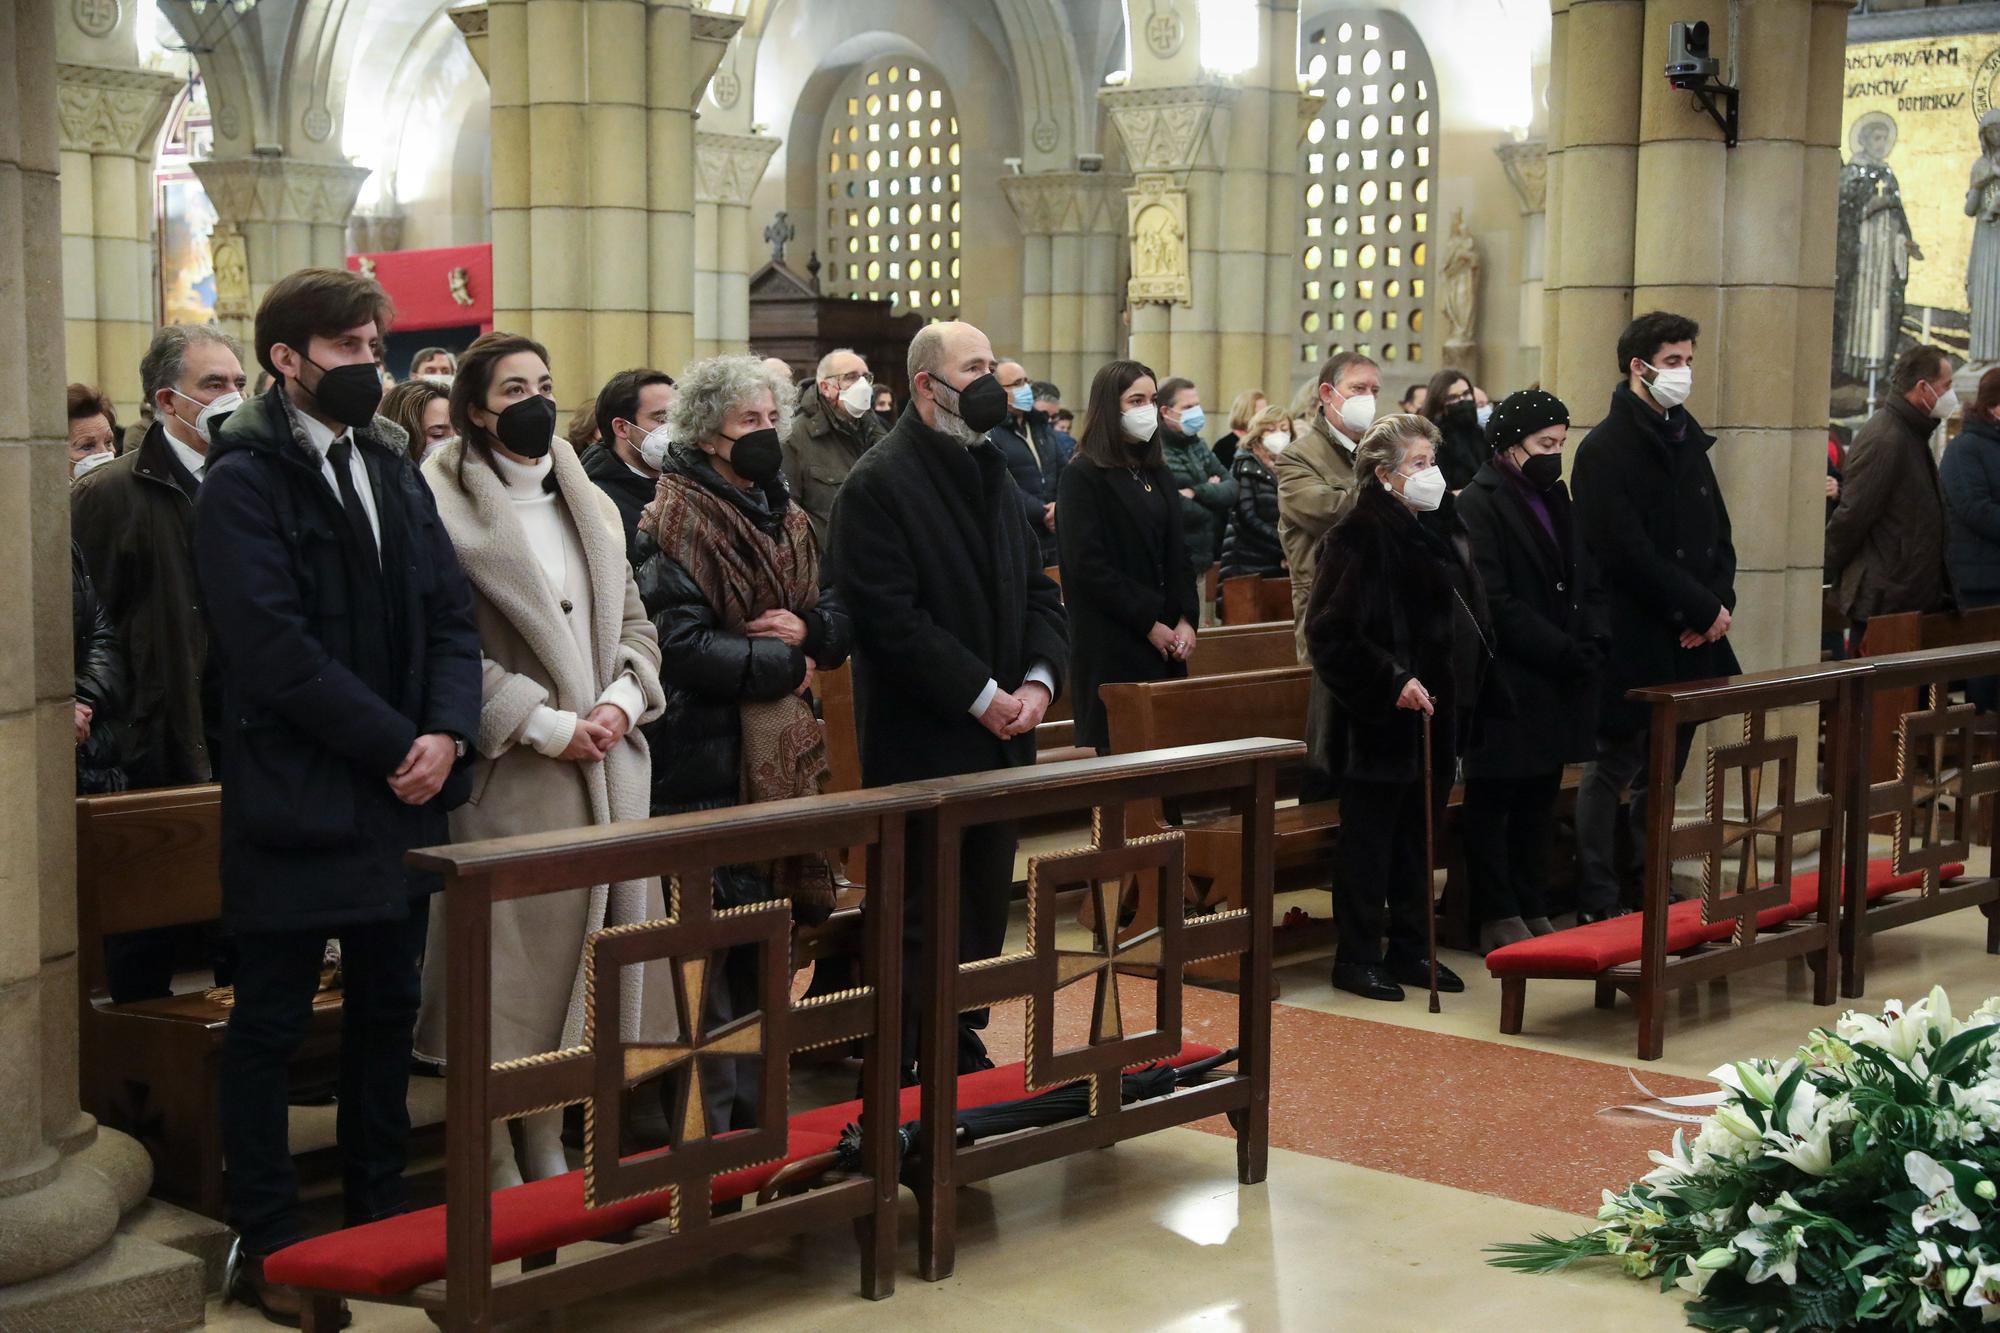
[351,687]
[959,635]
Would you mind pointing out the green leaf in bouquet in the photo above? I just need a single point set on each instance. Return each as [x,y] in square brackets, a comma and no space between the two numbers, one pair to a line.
[1959,1049]
[1908,1090]
[1966,1177]
[1546,1254]
[1866,1255]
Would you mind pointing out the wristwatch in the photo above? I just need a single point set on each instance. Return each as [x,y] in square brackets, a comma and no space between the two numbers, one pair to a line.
[460,747]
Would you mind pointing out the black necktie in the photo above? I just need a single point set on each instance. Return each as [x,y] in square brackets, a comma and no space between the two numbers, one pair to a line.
[341,455]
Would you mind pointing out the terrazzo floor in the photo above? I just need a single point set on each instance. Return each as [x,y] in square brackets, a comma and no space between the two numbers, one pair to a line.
[1403,1144]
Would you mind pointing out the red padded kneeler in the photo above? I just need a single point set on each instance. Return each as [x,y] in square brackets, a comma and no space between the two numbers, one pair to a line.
[1585,951]
[393,1255]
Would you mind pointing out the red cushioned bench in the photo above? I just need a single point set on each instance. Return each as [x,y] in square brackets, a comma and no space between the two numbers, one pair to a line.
[1608,952]
[391,1258]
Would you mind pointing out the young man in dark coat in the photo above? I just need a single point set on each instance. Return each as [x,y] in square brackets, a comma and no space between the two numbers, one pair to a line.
[1649,508]
[1885,542]
[351,685]
[624,461]
[1033,455]
[959,635]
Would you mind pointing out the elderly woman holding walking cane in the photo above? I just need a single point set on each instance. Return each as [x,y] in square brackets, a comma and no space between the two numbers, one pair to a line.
[1398,630]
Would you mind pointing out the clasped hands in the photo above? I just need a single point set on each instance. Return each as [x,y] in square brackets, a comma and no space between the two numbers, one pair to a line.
[1018,712]
[1694,639]
[1176,644]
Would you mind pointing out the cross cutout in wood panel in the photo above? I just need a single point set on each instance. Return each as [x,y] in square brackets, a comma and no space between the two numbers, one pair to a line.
[1937,766]
[1103,869]
[1767,816]
[683,952]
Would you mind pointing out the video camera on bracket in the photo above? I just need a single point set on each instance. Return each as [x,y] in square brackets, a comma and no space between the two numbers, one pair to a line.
[1692,69]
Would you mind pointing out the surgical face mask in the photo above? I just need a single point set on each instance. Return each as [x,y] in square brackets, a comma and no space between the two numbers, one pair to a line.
[653,448]
[1357,414]
[1193,419]
[856,398]
[1277,442]
[88,464]
[1670,387]
[1139,423]
[1021,397]
[1423,490]
[1484,414]
[212,412]
[1944,407]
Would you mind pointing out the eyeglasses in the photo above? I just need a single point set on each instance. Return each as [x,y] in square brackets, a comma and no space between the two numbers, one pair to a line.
[849,378]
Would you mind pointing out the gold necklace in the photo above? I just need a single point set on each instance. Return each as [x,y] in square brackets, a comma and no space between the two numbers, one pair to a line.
[1143,481]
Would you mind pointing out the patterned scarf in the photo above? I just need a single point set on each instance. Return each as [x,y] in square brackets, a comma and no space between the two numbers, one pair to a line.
[743,573]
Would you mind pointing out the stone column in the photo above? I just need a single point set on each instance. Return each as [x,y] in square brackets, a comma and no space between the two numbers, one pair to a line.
[273,215]
[1594,78]
[109,119]
[593,178]
[63,1182]
[727,169]
[1526,164]
[1070,224]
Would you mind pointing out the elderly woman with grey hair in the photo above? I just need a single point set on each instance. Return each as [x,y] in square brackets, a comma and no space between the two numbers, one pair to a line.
[745,624]
[1398,629]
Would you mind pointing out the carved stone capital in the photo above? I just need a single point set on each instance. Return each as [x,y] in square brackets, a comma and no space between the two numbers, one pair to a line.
[1527,167]
[727,167]
[470,20]
[100,109]
[711,33]
[1066,203]
[1164,128]
[280,189]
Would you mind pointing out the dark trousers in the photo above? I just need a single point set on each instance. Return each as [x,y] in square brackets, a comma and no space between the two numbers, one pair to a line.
[277,975]
[1506,826]
[1378,868]
[1622,763]
[985,883]
[729,1085]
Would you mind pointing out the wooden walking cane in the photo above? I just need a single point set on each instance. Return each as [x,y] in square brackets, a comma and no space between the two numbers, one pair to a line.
[1430,870]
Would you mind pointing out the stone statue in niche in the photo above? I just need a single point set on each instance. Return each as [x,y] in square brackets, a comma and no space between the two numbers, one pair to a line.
[1874,247]
[1157,223]
[1982,272]
[1458,288]
[779,235]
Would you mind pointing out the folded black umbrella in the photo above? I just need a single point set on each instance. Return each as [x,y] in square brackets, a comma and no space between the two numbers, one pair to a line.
[1067,1102]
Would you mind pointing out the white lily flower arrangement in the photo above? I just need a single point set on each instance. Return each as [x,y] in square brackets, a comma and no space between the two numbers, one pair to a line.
[1851,1184]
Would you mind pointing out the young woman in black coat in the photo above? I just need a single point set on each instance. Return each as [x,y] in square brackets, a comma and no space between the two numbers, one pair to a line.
[1126,577]
[1251,548]
[1452,405]
[1550,630]
[1397,627]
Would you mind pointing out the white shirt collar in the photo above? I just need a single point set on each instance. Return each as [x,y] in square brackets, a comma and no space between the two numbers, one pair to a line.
[196,463]
[319,435]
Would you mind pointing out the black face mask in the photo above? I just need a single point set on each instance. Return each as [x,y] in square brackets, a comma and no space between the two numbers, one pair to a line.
[1463,414]
[528,427]
[756,456]
[1542,470]
[348,394]
[981,405]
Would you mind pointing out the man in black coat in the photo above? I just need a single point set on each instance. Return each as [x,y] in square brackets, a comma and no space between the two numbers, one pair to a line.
[351,685]
[1649,508]
[959,636]
[631,443]
[1034,456]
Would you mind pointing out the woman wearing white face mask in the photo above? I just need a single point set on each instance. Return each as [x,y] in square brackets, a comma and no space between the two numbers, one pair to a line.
[1398,629]
[1250,548]
[1127,582]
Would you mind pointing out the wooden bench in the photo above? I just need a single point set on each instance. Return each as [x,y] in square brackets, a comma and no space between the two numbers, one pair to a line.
[1741,920]
[147,860]
[1931,792]
[1249,600]
[1913,632]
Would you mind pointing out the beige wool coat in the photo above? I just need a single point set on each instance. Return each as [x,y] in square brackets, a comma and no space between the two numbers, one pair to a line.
[530,657]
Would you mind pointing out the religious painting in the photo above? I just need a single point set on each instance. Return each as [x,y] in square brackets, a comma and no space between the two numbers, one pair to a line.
[1156,214]
[187,264]
[1919,208]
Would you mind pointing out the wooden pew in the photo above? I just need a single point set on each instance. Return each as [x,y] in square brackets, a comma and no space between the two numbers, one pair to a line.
[1933,794]
[146,860]
[1910,632]
[1250,600]
[1739,921]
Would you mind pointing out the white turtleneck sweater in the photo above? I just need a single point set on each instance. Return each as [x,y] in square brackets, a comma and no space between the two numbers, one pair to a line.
[557,550]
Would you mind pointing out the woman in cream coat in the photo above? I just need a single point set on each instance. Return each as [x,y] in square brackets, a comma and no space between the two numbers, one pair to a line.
[571,670]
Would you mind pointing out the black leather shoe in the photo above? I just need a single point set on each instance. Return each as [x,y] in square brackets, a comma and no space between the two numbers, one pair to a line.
[1587,918]
[1371,980]
[1416,972]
